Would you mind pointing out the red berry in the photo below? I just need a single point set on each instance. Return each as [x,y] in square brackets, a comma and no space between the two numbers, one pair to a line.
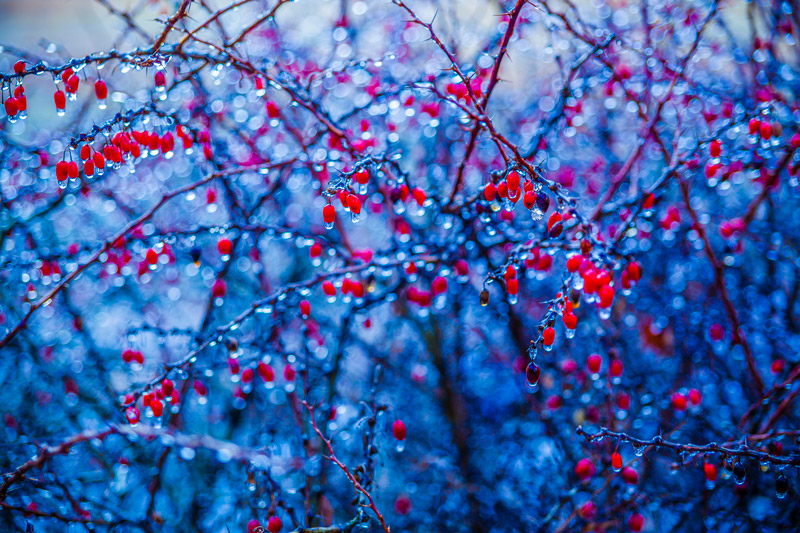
[328,288]
[593,363]
[419,196]
[101,90]
[630,475]
[72,84]
[225,246]
[606,294]
[266,372]
[200,388]
[616,461]
[513,286]
[585,469]
[588,510]
[715,148]
[439,285]
[513,180]
[354,203]
[132,414]
[548,336]
[490,192]
[274,525]
[60,99]
[329,214]
[12,106]
[362,176]
[695,397]
[19,67]
[574,263]
[160,79]
[502,190]
[615,368]
[554,219]
[402,505]
[219,289]
[510,273]
[152,256]
[305,308]
[532,373]
[716,332]
[570,321]
[529,199]
[635,270]
[636,522]
[623,401]
[252,525]
[98,160]
[399,430]
[462,267]
[62,170]
[679,402]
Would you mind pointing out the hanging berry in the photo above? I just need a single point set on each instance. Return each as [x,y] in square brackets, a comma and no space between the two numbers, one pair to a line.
[630,476]
[266,372]
[585,469]
[305,309]
[715,148]
[490,192]
[161,81]
[636,522]
[225,248]
[439,285]
[329,216]
[399,430]
[548,337]
[274,525]
[219,289]
[532,373]
[329,289]
[354,204]
[574,263]
[616,461]
[12,108]
[101,91]
[60,100]
[593,363]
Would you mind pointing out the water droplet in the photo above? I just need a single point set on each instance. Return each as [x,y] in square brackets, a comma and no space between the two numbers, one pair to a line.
[739,473]
[532,374]
[781,487]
